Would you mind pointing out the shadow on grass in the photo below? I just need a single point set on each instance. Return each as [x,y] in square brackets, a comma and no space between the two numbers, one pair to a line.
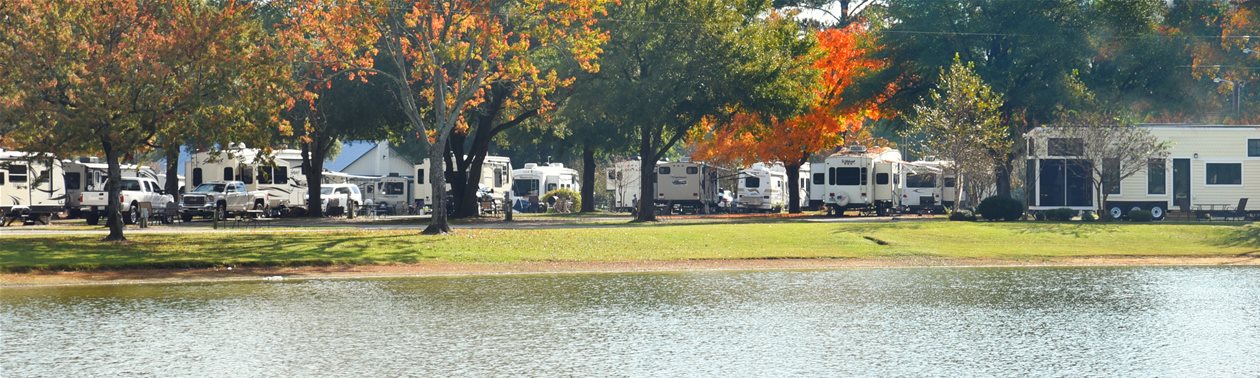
[1073,229]
[1248,236]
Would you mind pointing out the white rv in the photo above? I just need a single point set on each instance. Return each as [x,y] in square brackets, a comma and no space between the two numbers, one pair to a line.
[762,188]
[280,175]
[930,186]
[865,180]
[1210,168]
[623,184]
[687,187]
[31,187]
[802,186]
[496,178]
[533,180]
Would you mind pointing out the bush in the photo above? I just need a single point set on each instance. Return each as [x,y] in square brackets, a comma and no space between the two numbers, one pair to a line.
[1140,216]
[1000,208]
[575,199]
[1062,214]
[962,215]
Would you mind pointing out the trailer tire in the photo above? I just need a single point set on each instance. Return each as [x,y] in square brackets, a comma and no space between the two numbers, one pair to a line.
[93,218]
[1158,213]
[1115,212]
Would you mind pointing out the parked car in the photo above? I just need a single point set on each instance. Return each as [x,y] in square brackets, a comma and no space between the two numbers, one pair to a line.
[337,199]
[135,191]
[221,199]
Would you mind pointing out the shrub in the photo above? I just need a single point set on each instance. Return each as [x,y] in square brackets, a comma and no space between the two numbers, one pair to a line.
[962,215]
[1140,216]
[1001,208]
[575,199]
[1062,214]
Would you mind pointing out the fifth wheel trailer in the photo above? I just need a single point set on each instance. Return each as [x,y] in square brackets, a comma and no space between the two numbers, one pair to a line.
[865,180]
[31,186]
[1208,167]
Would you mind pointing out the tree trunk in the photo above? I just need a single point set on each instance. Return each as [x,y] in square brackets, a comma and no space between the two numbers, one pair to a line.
[794,188]
[114,171]
[171,186]
[439,224]
[958,188]
[1002,174]
[588,178]
[647,177]
[312,168]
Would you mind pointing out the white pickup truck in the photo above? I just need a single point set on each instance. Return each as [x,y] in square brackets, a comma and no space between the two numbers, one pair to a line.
[221,199]
[134,192]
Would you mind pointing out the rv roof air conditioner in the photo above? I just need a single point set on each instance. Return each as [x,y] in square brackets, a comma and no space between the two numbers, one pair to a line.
[531,165]
[857,148]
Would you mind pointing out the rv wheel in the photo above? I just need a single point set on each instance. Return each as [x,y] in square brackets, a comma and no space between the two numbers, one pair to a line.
[1157,212]
[1115,212]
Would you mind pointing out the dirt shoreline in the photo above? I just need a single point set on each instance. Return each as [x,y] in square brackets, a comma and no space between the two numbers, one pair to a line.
[147,276]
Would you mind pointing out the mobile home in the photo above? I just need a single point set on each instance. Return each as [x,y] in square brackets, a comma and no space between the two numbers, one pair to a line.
[31,186]
[1208,168]
[279,174]
[865,180]
[496,179]
[687,186]
[762,188]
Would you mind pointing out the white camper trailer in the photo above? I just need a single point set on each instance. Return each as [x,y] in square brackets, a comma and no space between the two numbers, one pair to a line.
[280,175]
[687,187]
[1209,171]
[623,184]
[762,188]
[865,180]
[31,187]
[496,179]
[533,180]
[88,174]
[930,186]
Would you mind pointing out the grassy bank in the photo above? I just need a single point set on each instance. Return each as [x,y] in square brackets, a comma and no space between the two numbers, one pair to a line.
[1009,241]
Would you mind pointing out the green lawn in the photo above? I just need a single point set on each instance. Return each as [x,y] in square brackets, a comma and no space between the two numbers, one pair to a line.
[1014,241]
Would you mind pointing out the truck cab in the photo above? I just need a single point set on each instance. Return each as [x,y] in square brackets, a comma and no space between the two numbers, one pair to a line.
[220,199]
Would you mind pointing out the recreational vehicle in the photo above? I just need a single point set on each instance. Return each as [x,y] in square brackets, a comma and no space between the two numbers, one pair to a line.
[930,186]
[865,180]
[279,174]
[762,188]
[532,181]
[687,187]
[496,178]
[623,184]
[392,193]
[31,187]
[1209,169]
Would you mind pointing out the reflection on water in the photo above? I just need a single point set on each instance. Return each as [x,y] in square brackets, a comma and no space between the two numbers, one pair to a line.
[930,321]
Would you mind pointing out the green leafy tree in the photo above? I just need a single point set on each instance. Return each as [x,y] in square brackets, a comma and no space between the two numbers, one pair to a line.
[660,79]
[961,121]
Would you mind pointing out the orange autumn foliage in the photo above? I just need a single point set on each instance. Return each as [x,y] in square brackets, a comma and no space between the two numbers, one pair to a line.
[746,138]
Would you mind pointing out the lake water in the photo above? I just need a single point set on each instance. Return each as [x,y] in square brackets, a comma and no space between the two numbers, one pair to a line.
[1166,321]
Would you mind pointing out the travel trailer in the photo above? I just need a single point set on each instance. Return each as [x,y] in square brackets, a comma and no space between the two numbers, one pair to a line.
[865,180]
[762,188]
[393,193]
[31,187]
[623,184]
[279,174]
[496,179]
[533,180]
[89,174]
[930,186]
[1209,169]
[687,187]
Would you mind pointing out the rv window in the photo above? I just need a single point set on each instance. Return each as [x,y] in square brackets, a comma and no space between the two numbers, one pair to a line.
[1111,175]
[281,176]
[1065,147]
[551,187]
[264,175]
[1156,177]
[247,174]
[394,189]
[498,177]
[923,180]
[1224,173]
[752,182]
[420,176]
[849,176]
[73,180]
[663,170]
[820,178]
[693,170]
[17,173]
[950,181]
[881,179]
[196,177]
[227,174]
[1253,147]
[2,174]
